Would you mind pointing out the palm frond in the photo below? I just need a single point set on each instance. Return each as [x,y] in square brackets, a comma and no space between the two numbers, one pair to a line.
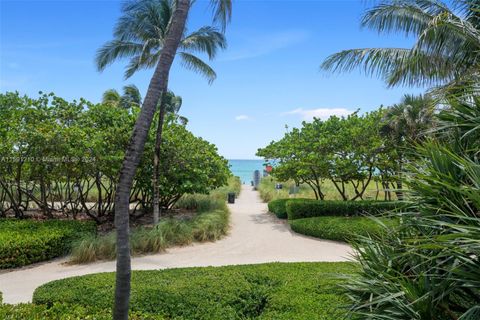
[205,40]
[140,62]
[409,17]
[114,50]
[195,64]
[222,12]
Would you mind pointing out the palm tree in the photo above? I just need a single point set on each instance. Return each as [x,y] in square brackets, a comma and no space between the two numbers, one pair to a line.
[131,96]
[407,122]
[446,52]
[410,119]
[143,45]
[134,20]
[170,104]
[111,97]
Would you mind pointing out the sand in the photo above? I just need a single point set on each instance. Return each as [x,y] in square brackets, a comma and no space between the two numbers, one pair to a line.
[255,237]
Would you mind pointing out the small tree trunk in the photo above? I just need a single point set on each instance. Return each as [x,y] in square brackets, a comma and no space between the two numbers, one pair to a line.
[158,84]
[156,162]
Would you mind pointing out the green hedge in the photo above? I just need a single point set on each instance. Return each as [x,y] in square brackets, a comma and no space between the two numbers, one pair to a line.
[278,207]
[319,208]
[60,311]
[264,291]
[23,242]
[339,228]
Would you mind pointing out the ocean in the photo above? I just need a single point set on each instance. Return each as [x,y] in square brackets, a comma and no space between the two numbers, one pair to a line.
[245,168]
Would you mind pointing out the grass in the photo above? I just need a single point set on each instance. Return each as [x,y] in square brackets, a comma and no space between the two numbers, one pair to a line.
[268,192]
[207,226]
[24,242]
[266,291]
[340,228]
[210,223]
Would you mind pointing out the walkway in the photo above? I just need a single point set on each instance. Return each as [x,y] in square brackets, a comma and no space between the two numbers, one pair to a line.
[255,237]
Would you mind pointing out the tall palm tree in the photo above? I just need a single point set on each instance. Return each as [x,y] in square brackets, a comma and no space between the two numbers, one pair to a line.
[170,103]
[143,45]
[446,52]
[135,18]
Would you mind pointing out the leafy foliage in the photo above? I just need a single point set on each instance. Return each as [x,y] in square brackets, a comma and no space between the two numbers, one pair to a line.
[340,228]
[310,208]
[279,207]
[63,311]
[265,291]
[24,242]
[346,151]
[60,156]
[427,267]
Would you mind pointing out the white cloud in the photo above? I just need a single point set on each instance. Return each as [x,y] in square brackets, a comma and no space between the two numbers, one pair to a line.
[321,113]
[242,117]
[259,45]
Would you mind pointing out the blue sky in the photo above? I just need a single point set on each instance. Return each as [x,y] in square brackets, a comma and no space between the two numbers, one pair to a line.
[268,77]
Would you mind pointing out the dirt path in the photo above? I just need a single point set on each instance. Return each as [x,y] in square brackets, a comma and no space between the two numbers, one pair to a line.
[255,237]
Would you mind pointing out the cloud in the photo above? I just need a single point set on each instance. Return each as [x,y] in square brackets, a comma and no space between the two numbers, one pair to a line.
[255,45]
[242,117]
[321,113]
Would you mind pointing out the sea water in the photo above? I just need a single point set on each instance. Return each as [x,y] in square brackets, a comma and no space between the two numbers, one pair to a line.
[245,168]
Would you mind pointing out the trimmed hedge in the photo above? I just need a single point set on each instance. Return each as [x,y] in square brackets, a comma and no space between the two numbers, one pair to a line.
[278,206]
[62,311]
[263,291]
[24,242]
[319,208]
[339,228]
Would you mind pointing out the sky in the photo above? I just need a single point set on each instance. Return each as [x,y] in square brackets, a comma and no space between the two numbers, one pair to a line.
[268,80]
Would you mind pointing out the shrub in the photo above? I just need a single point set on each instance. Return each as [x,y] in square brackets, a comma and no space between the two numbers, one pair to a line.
[339,228]
[206,226]
[309,208]
[23,242]
[278,206]
[63,311]
[264,291]
[201,202]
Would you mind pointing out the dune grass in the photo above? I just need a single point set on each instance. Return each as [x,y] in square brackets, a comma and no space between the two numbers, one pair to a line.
[210,223]
[206,226]
[268,192]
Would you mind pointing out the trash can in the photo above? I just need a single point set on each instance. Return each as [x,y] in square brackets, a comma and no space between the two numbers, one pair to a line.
[231,197]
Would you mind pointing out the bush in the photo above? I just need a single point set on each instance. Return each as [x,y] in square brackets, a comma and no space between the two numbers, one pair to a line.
[309,208]
[278,206]
[339,228]
[62,311]
[23,242]
[264,291]
[207,226]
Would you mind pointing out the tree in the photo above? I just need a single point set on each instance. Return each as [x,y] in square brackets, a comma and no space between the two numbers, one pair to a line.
[446,51]
[426,267]
[133,20]
[343,150]
[170,104]
[143,45]
[131,97]
[405,124]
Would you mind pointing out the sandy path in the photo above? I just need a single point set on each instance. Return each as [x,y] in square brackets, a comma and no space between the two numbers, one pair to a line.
[255,237]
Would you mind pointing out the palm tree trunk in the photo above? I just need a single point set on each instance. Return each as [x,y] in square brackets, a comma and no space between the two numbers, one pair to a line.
[156,162]
[158,84]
